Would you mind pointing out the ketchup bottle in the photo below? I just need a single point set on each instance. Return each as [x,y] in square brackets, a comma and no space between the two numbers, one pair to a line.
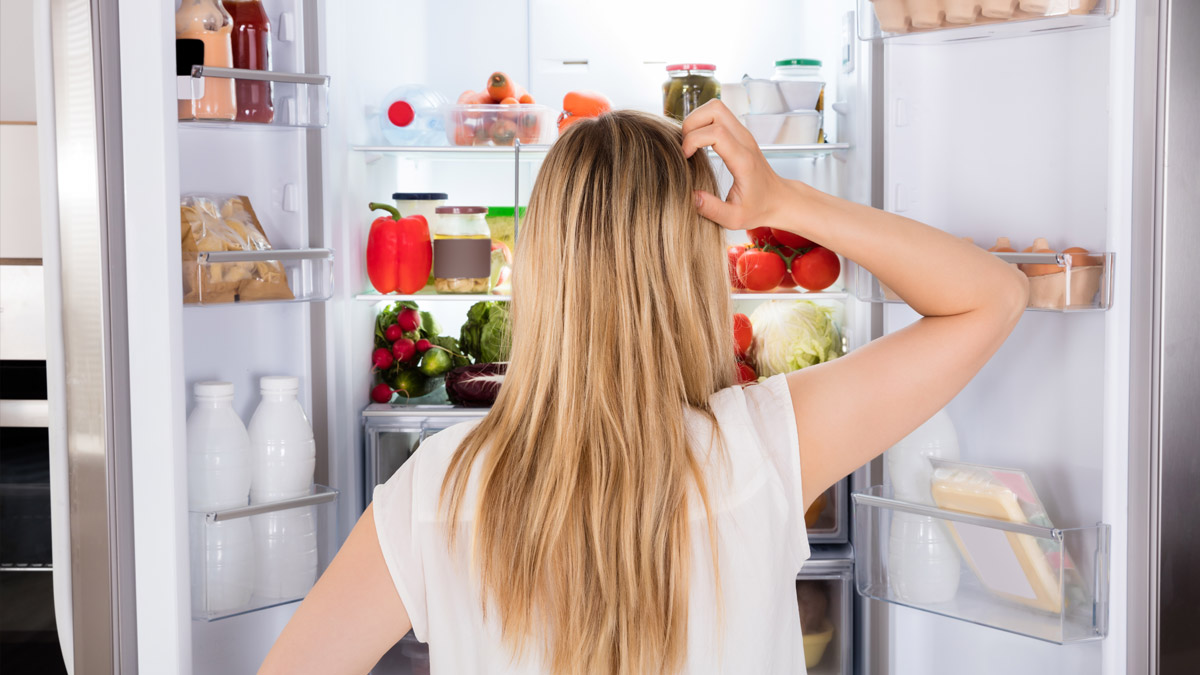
[252,51]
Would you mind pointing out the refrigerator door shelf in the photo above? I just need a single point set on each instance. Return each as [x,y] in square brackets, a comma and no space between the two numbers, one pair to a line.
[227,546]
[1005,569]
[934,21]
[1083,282]
[537,152]
[300,100]
[251,277]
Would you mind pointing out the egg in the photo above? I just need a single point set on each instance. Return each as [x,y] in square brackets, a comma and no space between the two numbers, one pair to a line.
[1079,259]
[1040,245]
[1002,245]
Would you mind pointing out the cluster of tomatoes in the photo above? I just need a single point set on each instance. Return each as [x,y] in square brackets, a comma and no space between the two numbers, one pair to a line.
[743,335]
[779,259]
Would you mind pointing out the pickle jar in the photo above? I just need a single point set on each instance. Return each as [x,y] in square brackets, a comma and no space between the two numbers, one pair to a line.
[689,86]
[462,250]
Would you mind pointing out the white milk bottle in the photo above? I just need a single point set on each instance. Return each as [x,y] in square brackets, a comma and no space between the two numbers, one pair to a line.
[923,564]
[284,453]
[218,453]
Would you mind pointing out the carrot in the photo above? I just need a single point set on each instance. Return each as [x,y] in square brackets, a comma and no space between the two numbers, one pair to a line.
[508,101]
[525,98]
[501,86]
[481,98]
[465,97]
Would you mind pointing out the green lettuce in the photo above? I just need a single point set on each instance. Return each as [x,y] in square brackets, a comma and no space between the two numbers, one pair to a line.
[485,337]
[790,335]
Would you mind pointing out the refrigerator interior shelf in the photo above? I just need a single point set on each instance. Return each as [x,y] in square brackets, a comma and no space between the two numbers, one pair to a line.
[1046,583]
[1082,282]
[477,297]
[299,99]
[214,278]
[231,576]
[468,152]
[946,21]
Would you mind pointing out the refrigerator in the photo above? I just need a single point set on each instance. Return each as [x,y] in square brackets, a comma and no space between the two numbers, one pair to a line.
[1056,127]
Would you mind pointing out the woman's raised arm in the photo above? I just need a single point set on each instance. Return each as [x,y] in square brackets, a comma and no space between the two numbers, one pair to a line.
[852,409]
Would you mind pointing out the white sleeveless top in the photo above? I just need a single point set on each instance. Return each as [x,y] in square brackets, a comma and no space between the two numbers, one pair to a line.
[760,527]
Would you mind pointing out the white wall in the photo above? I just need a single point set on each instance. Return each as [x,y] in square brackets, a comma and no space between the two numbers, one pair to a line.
[20,212]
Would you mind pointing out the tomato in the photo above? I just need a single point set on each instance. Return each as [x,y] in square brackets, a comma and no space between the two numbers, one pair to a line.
[742,334]
[746,374]
[817,269]
[762,236]
[788,239]
[735,252]
[761,270]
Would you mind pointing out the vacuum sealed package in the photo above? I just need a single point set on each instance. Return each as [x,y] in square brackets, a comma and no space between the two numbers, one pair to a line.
[218,223]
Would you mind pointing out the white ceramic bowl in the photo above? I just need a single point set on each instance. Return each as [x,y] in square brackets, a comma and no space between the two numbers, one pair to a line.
[800,94]
[764,96]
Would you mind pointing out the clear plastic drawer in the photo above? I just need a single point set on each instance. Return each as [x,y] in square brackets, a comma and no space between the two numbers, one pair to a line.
[273,275]
[825,595]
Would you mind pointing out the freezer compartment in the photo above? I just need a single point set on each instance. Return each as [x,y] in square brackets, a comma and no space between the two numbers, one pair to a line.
[893,18]
[825,596]
[260,555]
[273,275]
[828,519]
[1041,582]
[298,99]
[1058,282]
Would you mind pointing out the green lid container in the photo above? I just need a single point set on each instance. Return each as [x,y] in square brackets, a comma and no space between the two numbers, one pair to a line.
[503,211]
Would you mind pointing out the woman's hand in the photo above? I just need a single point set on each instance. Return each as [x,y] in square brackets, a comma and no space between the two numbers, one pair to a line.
[758,195]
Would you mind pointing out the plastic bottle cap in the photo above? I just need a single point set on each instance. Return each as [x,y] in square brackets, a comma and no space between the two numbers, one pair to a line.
[798,62]
[420,196]
[691,66]
[281,384]
[213,389]
[401,114]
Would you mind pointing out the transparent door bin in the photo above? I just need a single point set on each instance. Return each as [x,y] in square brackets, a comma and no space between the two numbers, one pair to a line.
[273,275]
[299,99]
[1046,583]
[260,555]
[825,596]
[1082,282]
[828,518]
[951,20]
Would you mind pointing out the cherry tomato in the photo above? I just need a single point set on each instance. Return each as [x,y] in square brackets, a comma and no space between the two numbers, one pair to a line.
[735,252]
[742,334]
[762,236]
[746,374]
[788,239]
[761,270]
[817,269]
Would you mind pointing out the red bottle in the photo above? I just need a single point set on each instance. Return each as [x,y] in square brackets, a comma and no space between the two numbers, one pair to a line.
[252,50]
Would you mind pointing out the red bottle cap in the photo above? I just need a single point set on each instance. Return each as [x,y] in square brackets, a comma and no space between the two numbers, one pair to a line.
[400,113]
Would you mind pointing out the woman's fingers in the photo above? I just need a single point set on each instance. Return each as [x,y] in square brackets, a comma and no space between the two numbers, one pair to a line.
[735,156]
[728,216]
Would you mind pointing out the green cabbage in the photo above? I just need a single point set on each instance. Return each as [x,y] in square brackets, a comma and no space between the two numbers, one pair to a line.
[790,335]
[485,336]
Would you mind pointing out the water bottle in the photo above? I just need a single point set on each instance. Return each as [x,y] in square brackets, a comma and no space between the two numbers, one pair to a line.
[923,564]
[286,560]
[218,453]
[283,450]
[411,114]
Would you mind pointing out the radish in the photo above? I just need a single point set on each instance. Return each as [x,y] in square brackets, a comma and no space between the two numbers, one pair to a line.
[423,345]
[409,320]
[382,358]
[393,332]
[403,350]
[381,393]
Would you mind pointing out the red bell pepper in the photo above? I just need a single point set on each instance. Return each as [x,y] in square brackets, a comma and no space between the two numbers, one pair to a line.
[399,252]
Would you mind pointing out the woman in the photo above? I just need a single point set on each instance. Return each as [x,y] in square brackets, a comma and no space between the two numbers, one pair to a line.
[624,507]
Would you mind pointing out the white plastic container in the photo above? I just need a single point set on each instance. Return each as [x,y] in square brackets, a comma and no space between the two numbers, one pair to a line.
[222,565]
[733,95]
[800,83]
[218,450]
[286,558]
[283,450]
[791,128]
[420,204]
[763,96]
[923,563]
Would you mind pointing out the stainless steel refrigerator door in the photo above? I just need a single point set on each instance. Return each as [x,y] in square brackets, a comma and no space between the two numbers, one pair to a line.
[88,329]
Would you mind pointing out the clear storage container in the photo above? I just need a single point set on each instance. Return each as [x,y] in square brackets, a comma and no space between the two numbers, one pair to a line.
[495,124]
[420,204]
[689,86]
[462,250]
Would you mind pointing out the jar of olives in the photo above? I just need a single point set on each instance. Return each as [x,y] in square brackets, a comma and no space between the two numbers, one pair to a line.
[689,86]
[462,250]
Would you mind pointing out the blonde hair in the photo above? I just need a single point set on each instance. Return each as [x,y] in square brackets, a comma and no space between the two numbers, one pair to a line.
[621,323]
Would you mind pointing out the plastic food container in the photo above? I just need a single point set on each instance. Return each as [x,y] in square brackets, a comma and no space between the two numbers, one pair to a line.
[419,204]
[462,250]
[800,84]
[801,127]
[689,86]
[764,97]
[495,124]
[733,95]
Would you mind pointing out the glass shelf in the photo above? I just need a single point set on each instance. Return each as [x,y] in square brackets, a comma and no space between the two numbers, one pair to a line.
[221,278]
[1082,284]
[931,21]
[534,152]
[300,100]
[229,575]
[477,297]
[1067,604]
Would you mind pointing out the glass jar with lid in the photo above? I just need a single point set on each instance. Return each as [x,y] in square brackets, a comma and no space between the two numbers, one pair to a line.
[420,204]
[462,250]
[689,86]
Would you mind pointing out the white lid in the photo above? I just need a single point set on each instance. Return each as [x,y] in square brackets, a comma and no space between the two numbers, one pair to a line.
[281,384]
[213,389]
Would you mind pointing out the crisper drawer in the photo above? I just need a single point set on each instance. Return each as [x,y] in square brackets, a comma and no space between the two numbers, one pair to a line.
[828,519]
[825,593]
[393,434]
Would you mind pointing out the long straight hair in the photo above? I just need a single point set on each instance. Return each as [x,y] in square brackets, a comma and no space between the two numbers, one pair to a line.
[621,324]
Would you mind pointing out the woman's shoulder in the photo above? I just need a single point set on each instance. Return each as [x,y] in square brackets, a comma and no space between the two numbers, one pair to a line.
[768,401]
